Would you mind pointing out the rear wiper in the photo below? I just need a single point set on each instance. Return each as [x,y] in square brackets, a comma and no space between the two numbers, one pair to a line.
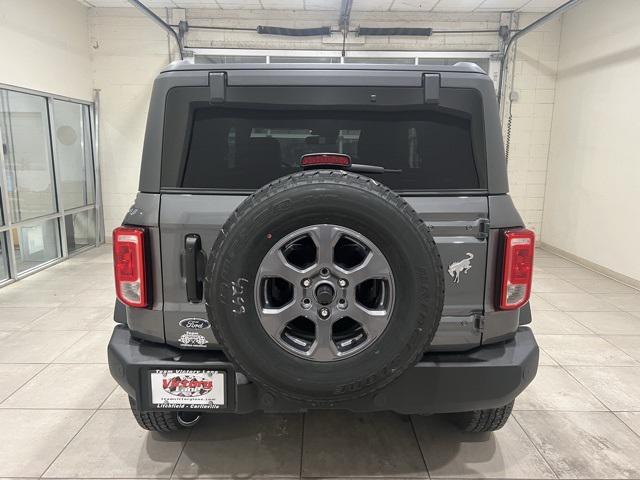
[340,161]
[362,168]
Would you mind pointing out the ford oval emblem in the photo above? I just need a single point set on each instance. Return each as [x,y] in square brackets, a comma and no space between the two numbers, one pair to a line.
[194,323]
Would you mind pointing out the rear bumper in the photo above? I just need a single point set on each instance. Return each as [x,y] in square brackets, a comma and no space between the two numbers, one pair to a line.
[487,377]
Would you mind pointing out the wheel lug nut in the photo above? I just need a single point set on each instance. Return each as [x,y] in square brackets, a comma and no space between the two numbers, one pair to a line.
[342,282]
[306,283]
[324,312]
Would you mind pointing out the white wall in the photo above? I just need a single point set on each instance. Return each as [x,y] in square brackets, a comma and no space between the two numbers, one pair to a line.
[593,184]
[536,61]
[128,51]
[44,45]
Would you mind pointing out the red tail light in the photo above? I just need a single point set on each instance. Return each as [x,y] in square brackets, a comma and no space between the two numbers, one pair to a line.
[129,266]
[517,268]
[325,160]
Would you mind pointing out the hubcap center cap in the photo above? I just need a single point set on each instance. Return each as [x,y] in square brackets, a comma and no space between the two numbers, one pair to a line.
[325,294]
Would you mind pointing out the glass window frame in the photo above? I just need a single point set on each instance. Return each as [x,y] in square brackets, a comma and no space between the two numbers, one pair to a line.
[7,225]
[493,56]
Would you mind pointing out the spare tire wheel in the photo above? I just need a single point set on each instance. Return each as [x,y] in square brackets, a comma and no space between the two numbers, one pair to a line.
[324,286]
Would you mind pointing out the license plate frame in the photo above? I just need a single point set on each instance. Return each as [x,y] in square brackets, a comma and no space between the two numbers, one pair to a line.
[188,388]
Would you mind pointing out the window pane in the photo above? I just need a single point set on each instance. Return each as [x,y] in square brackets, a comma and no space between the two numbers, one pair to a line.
[35,244]
[73,154]
[381,61]
[25,141]
[230,59]
[4,259]
[244,149]
[304,59]
[81,229]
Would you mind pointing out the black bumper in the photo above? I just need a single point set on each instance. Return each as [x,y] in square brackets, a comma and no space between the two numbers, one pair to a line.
[490,376]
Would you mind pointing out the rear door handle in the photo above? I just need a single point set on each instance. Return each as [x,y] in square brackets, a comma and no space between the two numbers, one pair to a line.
[194,267]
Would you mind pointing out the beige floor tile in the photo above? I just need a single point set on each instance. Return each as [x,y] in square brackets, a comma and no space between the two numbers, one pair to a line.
[15,376]
[545,359]
[17,318]
[112,445]
[118,400]
[33,439]
[576,302]
[92,348]
[632,419]
[593,445]
[554,389]
[555,322]
[70,318]
[52,280]
[575,272]
[629,344]
[21,297]
[450,453]
[4,335]
[106,325]
[104,298]
[553,284]
[583,350]
[601,285]
[539,304]
[36,347]
[628,302]
[554,262]
[608,323]
[64,386]
[243,446]
[348,444]
[617,387]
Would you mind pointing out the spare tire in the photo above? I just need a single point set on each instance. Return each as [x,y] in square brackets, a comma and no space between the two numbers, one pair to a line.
[324,286]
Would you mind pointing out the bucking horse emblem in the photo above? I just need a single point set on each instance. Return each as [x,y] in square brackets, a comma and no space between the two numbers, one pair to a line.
[462,266]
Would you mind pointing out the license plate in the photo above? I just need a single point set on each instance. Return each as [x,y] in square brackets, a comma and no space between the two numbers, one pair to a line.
[188,389]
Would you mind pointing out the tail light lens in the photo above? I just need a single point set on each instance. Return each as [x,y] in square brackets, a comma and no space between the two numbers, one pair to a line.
[129,265]
[517,268]
[325,160]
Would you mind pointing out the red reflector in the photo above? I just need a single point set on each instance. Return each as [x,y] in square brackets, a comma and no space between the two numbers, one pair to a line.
[325,160]
[129,266]
[517,268]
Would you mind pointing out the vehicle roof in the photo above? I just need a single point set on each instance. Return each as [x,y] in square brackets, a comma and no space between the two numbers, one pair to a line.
[188,65]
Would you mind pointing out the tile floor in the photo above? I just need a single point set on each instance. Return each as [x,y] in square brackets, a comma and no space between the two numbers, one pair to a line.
[61,415]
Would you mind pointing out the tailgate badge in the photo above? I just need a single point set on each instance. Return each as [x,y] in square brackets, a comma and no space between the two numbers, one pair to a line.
[194,323]
[461,266]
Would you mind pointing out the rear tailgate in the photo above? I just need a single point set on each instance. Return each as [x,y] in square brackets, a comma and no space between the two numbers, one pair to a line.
[457,224]
[247,127]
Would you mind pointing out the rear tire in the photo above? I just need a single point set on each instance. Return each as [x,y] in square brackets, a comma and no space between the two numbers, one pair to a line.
[163,421]
[479,421]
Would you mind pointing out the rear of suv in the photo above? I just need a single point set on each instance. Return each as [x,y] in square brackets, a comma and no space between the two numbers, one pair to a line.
[323,237]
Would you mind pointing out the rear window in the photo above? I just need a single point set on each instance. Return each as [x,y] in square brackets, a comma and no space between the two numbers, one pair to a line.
[241,148]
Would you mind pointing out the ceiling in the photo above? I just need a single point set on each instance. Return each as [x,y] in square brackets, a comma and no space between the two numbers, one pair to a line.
[358,5]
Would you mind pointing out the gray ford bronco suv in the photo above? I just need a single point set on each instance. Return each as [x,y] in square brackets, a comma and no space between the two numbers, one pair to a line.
[323,237]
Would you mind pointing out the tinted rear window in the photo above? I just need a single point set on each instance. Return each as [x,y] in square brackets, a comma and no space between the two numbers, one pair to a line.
[241,149]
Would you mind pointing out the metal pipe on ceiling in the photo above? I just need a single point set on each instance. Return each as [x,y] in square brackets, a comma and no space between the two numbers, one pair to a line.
[160,22]
[532,26]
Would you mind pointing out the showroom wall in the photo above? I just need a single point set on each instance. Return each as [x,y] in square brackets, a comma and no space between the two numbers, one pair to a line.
[38,36]
[128,50]
[534,75]
[593,183]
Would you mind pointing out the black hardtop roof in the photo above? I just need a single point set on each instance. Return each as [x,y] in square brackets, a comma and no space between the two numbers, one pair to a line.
[188,65]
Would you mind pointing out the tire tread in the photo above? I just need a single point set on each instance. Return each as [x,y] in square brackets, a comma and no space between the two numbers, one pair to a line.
[336,177]
[489,420]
